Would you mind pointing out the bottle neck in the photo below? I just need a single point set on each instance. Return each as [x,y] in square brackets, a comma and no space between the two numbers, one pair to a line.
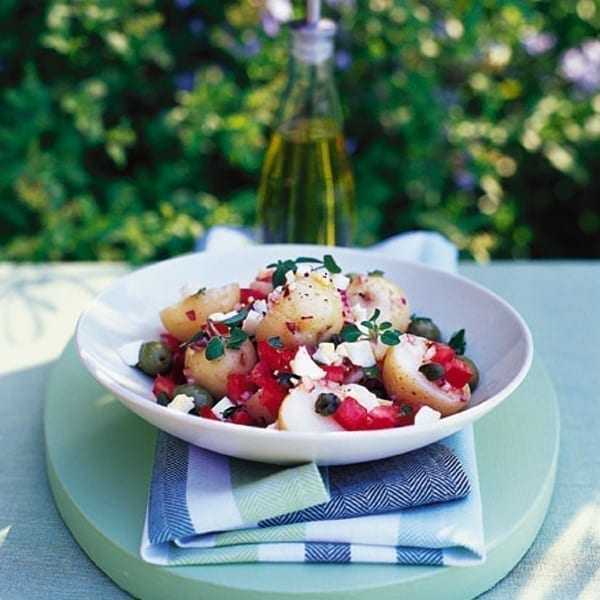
[311,93]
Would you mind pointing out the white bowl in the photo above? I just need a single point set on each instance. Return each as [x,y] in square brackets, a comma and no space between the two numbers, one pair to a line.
[498,340]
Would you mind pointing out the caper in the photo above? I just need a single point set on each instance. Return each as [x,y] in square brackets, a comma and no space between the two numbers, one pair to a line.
[474,381]
[326,404]
[200,395]
[424,327]
[155,358]
[432,370]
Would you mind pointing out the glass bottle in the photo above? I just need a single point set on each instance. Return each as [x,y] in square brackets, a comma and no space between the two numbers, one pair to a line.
[306,192]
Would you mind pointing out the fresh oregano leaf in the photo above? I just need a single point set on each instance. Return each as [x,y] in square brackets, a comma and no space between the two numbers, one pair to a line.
[458,342]
[214,348]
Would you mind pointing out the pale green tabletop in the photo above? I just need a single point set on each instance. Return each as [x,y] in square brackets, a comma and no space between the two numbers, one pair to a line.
[39,306]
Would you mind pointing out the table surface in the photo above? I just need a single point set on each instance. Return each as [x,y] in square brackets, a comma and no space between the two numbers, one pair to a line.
[39,306]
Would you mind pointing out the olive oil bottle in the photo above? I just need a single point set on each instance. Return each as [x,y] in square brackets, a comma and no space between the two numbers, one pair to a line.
[306,192]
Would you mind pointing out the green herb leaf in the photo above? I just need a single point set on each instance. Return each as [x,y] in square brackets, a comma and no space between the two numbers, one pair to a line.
[237,319]
[458,342]
[236,338]
[330,264]
[307,259]
[375,273]
[194,338]
[200,292]
[351,333]
[214,349]
[371,372]
[390,337]
[283,266]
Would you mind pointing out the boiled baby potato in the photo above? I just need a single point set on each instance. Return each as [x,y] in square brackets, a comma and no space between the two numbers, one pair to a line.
[297,412]
[212,374]
[376,292]
[309,310]
[403,380]
[184,319]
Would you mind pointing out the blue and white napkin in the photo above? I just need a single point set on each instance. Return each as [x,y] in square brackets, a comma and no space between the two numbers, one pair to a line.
[423,507]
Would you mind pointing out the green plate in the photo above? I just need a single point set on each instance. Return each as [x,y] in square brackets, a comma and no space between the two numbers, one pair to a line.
[99,461]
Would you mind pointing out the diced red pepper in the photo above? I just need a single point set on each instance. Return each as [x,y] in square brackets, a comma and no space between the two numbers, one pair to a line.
[277,359]
[190,314]
[443,354]
[240,387]
[170,341]
[220,328]
[272,395]
[241,416]
[334,372]
[248,295]
[164,384]
[208,413]
[458,373]
[384,417]
[260,373]
[351,415]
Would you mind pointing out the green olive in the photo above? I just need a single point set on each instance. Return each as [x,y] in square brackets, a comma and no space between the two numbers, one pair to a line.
[424,327]
[475,379]
[200,395]
[155,358]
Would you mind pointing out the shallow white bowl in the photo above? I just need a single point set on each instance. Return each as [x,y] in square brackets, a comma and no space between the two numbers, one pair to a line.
[498,340]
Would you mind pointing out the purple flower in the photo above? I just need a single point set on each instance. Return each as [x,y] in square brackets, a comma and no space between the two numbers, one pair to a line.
[351,145]
[197,26]
[538,43]
[183,4]
[465,180]
[270,25]
[581,66]
[185,81]
[251,46]
[342,60]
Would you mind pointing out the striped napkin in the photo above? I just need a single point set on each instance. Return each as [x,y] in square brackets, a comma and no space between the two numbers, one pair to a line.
[422,507]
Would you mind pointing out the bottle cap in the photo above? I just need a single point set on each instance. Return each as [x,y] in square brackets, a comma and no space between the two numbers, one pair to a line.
[313,43]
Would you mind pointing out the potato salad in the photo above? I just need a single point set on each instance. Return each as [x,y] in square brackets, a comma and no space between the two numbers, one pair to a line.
[304,347]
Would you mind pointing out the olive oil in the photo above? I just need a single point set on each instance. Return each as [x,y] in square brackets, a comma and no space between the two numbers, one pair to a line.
[307,188]
[306,191]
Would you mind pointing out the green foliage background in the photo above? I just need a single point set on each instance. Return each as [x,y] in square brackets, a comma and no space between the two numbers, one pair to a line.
[127,127]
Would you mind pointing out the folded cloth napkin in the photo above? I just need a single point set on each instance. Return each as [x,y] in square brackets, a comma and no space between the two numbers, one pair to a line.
[423,507]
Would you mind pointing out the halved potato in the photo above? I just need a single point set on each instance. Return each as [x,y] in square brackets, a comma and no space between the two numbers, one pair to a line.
[403,380]
[297,412]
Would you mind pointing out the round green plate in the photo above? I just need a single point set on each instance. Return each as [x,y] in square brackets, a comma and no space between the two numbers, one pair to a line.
[99,460]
